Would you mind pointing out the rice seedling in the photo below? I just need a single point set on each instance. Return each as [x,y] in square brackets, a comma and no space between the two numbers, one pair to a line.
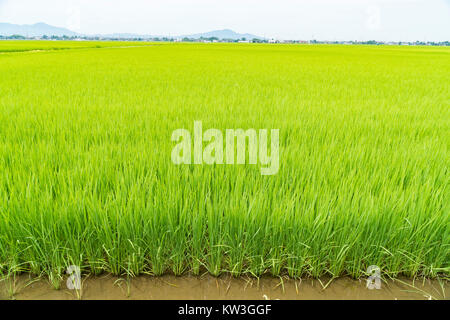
[86,176]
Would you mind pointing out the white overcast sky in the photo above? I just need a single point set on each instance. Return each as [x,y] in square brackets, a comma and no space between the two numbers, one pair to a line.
[389,20]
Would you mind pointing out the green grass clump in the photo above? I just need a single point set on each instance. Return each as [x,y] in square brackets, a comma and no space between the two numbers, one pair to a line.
[86,176]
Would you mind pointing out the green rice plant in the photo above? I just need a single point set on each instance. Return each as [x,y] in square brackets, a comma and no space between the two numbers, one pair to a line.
[86,176]
[47,45]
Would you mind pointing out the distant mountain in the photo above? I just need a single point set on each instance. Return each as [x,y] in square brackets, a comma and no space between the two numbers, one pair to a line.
[34,30]
[122,36]
[220,34]
[41,29]
[223,34]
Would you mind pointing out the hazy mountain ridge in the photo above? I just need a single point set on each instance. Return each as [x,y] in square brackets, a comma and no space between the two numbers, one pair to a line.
[34,30]
[41,29]
[224,34]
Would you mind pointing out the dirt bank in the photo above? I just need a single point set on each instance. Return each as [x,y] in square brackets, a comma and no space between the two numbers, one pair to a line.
[225,287]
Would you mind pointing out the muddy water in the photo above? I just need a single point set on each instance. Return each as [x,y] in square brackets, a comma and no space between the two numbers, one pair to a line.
[225,287]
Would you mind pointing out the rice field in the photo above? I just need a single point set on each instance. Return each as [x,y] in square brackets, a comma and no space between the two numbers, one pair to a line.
[86,176]
[46,45]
